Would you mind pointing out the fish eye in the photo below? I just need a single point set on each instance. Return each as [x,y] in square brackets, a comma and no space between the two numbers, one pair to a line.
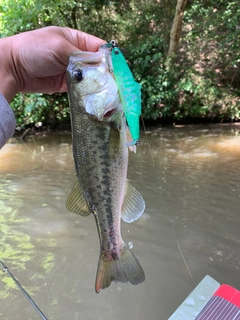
[77,75]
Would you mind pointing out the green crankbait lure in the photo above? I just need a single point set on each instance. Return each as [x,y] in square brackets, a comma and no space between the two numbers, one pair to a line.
[129,90]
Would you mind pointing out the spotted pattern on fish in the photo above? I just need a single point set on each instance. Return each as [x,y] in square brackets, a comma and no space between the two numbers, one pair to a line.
[101,160]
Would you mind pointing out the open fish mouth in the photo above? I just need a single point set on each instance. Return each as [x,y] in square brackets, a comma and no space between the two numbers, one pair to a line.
[109,113]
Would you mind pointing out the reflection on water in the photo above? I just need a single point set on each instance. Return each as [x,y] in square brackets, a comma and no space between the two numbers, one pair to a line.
[190,180]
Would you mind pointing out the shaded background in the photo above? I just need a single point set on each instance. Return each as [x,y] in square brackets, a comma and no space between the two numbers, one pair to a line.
[194,74]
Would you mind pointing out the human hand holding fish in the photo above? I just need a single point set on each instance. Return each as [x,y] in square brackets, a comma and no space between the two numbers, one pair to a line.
[36,61]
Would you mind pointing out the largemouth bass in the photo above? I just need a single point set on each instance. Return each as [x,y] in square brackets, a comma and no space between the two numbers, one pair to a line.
[101,161]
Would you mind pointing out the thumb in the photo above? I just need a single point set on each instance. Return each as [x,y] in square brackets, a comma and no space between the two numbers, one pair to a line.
[82,41]
[78,40]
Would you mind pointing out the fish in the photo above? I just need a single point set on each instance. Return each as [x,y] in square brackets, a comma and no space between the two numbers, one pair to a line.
[99,135]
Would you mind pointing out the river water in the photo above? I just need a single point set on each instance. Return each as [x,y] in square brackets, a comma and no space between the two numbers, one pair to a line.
[190,180]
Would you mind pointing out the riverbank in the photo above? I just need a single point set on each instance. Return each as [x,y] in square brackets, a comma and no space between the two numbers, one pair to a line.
[47,130]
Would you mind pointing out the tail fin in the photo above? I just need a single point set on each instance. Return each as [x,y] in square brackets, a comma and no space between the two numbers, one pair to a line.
[121,269]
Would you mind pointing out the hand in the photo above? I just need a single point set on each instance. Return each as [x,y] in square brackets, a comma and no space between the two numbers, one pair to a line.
[36,61]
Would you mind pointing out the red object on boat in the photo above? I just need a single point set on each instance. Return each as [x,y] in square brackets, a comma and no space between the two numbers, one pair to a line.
[224,305]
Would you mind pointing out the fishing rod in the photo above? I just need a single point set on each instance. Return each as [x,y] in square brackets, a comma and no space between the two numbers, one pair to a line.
[5,269]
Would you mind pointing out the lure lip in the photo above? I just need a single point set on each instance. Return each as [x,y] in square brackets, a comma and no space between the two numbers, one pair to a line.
[106,50]
[112,45]
[106,46]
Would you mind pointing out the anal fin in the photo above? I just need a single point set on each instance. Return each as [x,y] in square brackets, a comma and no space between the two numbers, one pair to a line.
[133,204]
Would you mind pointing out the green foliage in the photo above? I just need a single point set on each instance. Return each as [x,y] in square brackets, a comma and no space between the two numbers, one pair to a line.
[204,80]
[209,58]
[92,16]
[18,16]
[197,92]
[148,67]
[40,109]
[29,109]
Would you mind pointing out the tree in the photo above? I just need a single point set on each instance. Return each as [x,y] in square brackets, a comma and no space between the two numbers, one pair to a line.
[176,27]
[184,53]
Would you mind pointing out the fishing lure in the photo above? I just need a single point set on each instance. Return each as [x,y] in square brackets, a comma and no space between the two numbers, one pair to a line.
[129,90]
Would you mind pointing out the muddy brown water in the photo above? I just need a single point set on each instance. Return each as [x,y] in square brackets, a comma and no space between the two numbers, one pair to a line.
[190,180]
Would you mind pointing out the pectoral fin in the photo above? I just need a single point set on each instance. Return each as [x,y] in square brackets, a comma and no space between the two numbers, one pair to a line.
[133,204]
[76,201]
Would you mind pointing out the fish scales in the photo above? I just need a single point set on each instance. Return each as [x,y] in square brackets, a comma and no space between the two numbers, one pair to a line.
[101,160]
[99,177]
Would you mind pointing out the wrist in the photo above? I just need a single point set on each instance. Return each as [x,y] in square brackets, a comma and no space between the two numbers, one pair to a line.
[7,123]
[8,74]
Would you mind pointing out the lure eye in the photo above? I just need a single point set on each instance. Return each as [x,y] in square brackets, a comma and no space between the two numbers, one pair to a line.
[77,75]
[116,51]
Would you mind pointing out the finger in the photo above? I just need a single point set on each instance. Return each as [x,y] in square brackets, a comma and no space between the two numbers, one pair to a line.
[82,40]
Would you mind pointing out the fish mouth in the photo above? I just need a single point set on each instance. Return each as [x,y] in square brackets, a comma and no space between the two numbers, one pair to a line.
[109,112]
